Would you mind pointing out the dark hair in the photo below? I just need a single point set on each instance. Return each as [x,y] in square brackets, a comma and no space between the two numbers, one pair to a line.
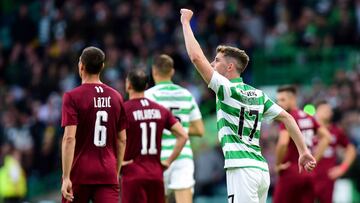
[164,64]
[138,79]
[93,59]
[241,58]
[288,88]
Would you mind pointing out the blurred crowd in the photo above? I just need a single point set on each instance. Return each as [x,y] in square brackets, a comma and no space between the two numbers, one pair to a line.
[40,42]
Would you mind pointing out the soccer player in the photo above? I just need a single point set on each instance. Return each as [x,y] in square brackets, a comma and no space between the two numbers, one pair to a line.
[241,109]
[290,181]
[94,138]
[327,170]
[180,176]
[142,176]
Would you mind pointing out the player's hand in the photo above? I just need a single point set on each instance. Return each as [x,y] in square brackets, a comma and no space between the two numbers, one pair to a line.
[282,167]
[335,172]
[186,15]
[307,162]
[66,189]
[124,163]
[165,164]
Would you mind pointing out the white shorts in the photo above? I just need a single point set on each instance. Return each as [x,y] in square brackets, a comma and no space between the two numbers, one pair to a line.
[180,175]
[247,185]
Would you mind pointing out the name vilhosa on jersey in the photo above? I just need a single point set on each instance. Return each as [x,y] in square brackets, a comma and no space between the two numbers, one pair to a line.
[147,114]
[147,121]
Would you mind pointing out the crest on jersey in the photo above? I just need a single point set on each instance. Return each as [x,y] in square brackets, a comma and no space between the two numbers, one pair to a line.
[144,102]
[99,89]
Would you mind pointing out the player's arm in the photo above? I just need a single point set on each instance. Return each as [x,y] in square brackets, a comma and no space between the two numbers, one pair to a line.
[121,142]
[67,156]
[196,128]
[349,157]
[306,160]
[181,138]
[324,140]
[68,149]
[193,48]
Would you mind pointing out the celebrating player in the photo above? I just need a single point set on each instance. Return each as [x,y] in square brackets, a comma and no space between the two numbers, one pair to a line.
[290,181]
[180,176]
[241,109]
[327,170]
[94,139]
[142,173]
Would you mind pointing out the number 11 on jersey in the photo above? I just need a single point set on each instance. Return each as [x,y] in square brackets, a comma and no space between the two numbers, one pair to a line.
[144,138]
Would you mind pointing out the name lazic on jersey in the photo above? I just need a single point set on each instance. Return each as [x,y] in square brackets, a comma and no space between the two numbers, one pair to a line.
[101,102]
[146,114]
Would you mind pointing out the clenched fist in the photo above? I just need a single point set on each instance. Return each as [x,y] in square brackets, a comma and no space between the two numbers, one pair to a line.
[186,15]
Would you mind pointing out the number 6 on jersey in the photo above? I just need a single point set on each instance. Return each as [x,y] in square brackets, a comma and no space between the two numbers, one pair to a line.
[100,130]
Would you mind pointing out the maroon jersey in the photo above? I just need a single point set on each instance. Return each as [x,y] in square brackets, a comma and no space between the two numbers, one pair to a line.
[328,160]
[290,182]
[308,127]
[147,120]
[98,112]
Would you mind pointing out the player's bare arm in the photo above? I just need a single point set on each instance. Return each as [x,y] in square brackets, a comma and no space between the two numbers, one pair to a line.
[324,140]
[349,157]
[306,160]
[193,48]
[67,156]
[196,128]
[181,138]
[121,141]
[281,149]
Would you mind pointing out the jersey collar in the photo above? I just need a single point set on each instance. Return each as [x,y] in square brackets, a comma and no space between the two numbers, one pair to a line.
[236,80]
[164,82]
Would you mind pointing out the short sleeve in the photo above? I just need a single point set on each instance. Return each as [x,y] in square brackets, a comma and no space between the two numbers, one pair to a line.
[343,140]
[195,113]
[69,112]
[271,109]
[220,85]
[171,120]
[123,122]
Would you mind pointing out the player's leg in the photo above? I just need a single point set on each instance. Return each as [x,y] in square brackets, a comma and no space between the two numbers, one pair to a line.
[155,191]
[132,191]
[167,174]
[106,193]
[324,190]
[181,180]
[82,194]
[286,188]
[184,195]
[264,186]
[242,185]
[307,194]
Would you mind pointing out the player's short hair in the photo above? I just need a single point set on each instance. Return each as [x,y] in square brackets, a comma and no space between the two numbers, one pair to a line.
[93,59]
[164,64]
[288,88]
[320,102]
[241,58]
[138,79]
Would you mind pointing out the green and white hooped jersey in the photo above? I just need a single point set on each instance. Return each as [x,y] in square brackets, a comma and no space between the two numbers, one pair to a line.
[240,110]
[183,106]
